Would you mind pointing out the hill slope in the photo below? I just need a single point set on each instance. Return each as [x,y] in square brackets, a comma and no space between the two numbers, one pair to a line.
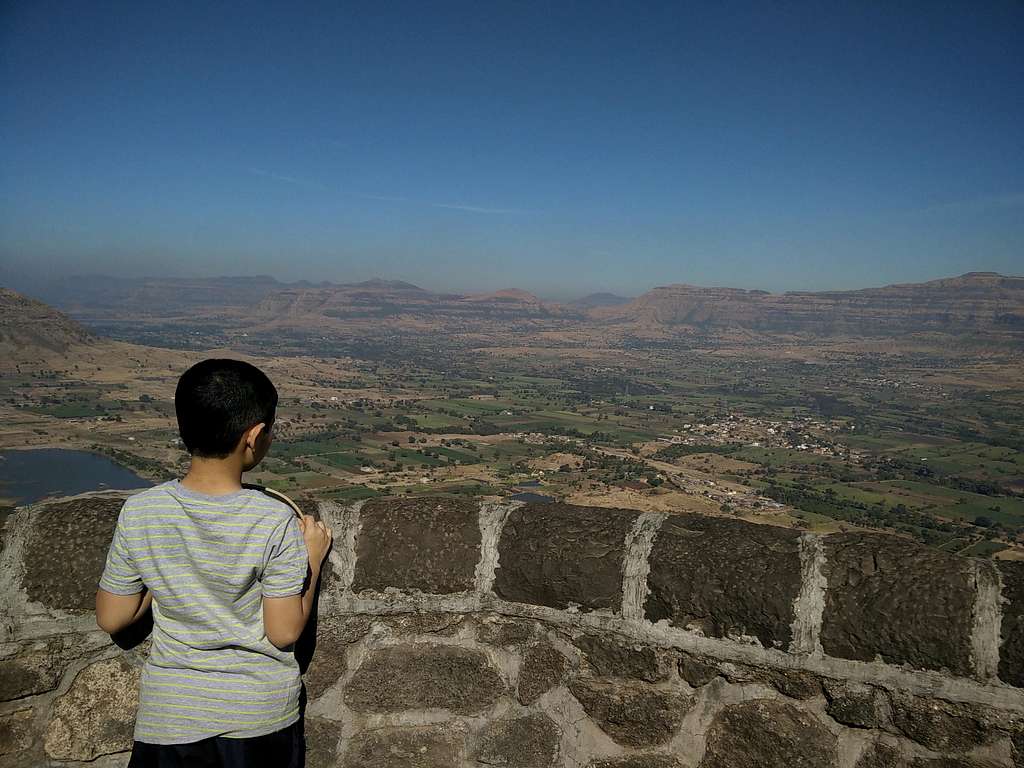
[28,327]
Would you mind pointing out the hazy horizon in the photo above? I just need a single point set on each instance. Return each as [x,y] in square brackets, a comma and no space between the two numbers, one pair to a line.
[468,148]
[27,283]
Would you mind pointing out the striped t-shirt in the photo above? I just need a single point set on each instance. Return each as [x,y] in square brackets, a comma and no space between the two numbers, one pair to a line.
[209,561]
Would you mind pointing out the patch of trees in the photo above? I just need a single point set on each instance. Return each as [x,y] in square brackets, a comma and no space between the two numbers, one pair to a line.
[670,452]
[899,517]
[904,469]
[141,464]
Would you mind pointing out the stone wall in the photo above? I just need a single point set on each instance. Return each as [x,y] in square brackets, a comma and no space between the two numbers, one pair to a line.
[458,634]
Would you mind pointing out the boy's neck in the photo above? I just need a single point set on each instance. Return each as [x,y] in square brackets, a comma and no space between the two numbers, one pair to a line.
[214,477]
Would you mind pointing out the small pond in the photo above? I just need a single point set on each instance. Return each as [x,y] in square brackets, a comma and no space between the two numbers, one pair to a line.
[536,498]
[30,475]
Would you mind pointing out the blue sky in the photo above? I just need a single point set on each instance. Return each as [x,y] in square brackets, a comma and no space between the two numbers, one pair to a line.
[558,147]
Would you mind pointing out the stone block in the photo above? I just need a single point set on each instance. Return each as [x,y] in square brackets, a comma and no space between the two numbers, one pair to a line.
[695,671]
[560,555]
[322,737]
[1017,748]
[637,761]
[794,683]
[412,624]
[941,726]
[329,664]
[434,746]
[725,578]
[16,734]
[610,658]
[36,668]
[542,669]
[892,598]
[425,676]
[882,755]
[525,742]
[97,715]
[763,733]
[859,706]
[505,632]
[430,545]
[1011,651]
[65,550]
[634,714]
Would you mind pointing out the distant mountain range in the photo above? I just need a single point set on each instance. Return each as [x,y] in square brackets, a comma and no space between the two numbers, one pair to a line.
[974,303]
[977,301]
[599,300]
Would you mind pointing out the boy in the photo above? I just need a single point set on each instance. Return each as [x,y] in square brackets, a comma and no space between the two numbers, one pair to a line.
[230,574]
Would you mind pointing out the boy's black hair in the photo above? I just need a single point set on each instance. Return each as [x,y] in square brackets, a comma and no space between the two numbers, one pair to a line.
[217,401]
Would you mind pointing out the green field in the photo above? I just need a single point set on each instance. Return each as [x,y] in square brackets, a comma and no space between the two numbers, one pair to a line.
[350,462]
[923,442]
[73,410]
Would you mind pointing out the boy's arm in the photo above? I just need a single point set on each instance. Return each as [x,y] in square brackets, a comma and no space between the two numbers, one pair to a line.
[285,617]
[122,598]
[115,613]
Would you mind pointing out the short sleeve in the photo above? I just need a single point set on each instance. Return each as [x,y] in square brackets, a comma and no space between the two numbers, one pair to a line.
[120,575]
[284,570]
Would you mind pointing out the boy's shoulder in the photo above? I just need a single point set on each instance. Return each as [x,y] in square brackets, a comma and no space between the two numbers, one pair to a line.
[267,503]
[249,500]
[147,496]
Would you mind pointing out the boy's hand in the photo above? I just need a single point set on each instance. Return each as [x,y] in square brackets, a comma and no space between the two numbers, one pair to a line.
[318,539]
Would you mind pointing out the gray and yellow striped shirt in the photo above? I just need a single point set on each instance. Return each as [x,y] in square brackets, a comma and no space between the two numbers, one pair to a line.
[209,561]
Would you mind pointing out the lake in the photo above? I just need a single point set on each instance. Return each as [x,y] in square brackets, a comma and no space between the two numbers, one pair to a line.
[28,476]
[531,498]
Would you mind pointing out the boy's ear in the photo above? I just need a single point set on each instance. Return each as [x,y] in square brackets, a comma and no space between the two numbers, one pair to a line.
[252,434]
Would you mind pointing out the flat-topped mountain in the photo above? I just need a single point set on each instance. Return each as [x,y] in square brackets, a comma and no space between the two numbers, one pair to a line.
[978,301]
[382,298]
[369,297]
[972,304]
[27,325]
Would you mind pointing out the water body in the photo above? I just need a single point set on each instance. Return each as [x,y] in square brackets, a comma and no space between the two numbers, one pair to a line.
[532,498]
[28,476]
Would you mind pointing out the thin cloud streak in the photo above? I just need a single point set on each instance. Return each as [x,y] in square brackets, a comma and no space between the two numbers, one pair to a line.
[386,198]
[382,198]
[286,179]
[477,208]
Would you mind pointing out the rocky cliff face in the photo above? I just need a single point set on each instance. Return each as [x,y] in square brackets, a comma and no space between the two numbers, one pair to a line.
[458,634]
[975,302]
[985,306]
[390,299]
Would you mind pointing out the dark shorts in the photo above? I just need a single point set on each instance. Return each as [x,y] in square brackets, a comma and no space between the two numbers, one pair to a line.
[281,749]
